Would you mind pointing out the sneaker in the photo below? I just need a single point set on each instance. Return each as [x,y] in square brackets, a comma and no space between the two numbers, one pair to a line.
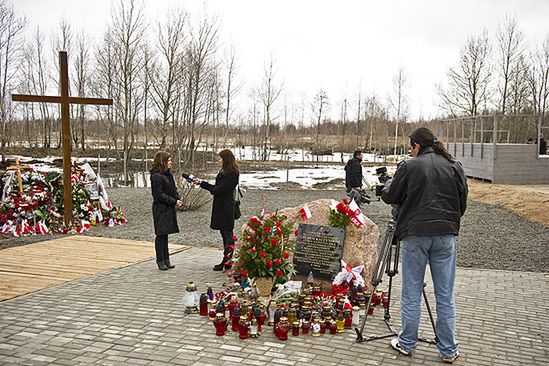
[395,345]
[450,359]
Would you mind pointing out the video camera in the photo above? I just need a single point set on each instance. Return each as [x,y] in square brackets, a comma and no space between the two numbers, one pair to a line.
[188,177]
[359,195]
[383,177]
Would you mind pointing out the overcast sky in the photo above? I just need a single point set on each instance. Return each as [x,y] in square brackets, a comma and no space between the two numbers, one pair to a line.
[339,46]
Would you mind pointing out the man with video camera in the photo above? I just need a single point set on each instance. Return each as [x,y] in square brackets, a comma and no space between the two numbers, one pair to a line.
[431,193]
[353,179]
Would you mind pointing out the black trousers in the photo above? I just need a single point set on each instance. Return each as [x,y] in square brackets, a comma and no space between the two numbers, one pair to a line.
[161,247]
[228,244]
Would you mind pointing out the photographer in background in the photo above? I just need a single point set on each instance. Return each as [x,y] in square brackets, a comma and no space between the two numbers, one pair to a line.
[223,208]
[353,176]
[166,201]
[431,191]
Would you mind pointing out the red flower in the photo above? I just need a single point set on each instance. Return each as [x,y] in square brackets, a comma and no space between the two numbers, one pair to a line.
[340,207]
[274,242]
[296,232]
[345,201]
[278,232]
[286,255]
[267,228]
[279,273]
[244,273]
[234,238]
[277,261]
[278,224]
[262,255]
[253,249]
[268,263]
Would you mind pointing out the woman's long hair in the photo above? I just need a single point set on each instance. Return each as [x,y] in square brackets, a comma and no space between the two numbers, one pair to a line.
[425,138]
[160,161]
[229,161]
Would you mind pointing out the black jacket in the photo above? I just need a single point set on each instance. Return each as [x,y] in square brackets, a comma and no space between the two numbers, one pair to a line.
[165,197]
[431,193]
[542,146]
[353,174]
[223,200]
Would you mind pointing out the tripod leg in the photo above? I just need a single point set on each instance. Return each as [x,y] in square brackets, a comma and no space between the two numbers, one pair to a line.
[430,316]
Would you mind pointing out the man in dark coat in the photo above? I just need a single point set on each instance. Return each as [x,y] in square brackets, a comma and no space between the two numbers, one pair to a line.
[166,200]
[431,192]
[542,145]
[223,208]
[353,176]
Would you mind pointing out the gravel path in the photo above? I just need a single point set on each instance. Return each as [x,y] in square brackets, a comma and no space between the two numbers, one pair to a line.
[491,237]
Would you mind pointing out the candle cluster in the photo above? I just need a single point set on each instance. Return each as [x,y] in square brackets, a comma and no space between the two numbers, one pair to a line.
[308,312]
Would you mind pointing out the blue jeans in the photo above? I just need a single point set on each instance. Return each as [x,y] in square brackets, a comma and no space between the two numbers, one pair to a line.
[440,251]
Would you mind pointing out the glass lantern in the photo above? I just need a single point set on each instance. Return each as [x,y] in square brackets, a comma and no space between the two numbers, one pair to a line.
[191,299]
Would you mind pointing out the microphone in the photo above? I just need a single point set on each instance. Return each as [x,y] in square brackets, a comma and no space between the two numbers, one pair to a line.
[188,177]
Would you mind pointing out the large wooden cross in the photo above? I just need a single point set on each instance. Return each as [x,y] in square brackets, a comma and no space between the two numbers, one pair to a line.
[65,101]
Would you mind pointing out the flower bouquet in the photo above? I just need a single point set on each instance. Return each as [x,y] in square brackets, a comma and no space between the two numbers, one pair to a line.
[266,248]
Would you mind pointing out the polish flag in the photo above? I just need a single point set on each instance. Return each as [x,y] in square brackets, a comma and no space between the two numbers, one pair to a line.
[84,227]
[305,213]
[357,218]
[41,228]
[25,228]
[8,227]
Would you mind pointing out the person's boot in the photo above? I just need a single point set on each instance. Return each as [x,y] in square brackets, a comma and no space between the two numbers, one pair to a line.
[168,264]
[219,267]
[161,265]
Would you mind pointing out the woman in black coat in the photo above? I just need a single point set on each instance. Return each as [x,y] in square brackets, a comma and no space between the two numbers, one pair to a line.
[166,201]
[223,208]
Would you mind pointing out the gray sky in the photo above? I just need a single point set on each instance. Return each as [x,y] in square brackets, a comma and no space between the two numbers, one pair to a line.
[335,45]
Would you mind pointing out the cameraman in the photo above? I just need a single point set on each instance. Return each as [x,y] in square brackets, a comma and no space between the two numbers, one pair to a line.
[353,176]
[431,191]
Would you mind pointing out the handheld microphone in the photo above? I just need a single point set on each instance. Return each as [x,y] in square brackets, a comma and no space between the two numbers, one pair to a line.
[188,177]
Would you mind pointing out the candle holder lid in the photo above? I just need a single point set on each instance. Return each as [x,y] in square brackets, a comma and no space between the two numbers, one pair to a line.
[191,286]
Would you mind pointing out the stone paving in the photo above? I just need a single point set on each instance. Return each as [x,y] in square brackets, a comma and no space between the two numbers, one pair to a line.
[134,316]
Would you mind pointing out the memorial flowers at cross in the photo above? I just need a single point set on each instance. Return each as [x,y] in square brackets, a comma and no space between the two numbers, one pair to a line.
[265,248]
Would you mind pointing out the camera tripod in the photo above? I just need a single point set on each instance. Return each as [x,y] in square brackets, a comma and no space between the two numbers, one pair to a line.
[388,262]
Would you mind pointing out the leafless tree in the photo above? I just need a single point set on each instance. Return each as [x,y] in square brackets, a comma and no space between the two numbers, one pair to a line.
[167,70]
[468,83]
[199,71]
[80,81]
[399,101]
[11,29]
[268,94]
[510,47]
[538,79]
[319,106]
[232,88]
[36,81]
[104,84]
[126,33]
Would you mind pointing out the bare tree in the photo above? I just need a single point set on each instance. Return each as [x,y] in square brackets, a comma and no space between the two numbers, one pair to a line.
[268,94]
[199,71]
[319,105]
[80,81]
[11,29]
[232,89]
[510,47]
[36,81]
[166,71]
[468,83]
[538,79]
[399,101]
[126,33]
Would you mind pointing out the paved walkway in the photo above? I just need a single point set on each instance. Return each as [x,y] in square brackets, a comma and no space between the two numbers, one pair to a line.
[134,316]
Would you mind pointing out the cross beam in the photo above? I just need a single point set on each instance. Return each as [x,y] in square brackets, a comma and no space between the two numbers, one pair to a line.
[65,100]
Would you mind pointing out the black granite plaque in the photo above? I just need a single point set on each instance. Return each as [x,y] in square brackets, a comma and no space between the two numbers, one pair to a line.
[319,248]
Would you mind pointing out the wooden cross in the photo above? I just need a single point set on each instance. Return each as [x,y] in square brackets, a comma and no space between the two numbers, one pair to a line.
[18,168]
[65,101]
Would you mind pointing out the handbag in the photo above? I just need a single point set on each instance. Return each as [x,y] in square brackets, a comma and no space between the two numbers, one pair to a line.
[237,212]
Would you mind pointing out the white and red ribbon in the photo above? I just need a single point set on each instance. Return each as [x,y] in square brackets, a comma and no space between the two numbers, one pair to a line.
[305,213]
